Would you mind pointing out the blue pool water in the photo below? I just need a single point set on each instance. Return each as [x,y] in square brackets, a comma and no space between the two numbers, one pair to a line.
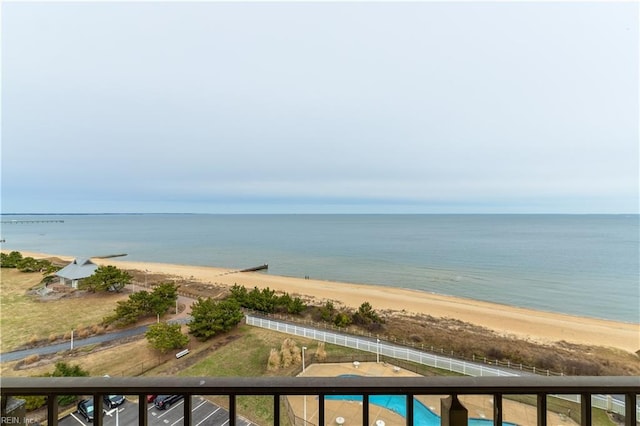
[422,415]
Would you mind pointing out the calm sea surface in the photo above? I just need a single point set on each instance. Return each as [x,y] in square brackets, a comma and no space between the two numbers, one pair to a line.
[587,265]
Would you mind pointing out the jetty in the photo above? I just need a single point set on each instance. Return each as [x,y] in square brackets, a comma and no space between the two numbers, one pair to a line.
[109,256]
[255,268]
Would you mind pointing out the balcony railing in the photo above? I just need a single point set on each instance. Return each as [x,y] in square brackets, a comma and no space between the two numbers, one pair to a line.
[625,388]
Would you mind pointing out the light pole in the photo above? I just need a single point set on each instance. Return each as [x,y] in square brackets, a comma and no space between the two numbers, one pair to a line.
[378,351]
[304,348]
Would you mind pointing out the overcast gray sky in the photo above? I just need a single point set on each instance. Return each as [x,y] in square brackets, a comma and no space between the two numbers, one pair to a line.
[296,107]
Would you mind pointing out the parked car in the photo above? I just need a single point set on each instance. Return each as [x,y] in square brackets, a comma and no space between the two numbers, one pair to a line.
[85,408]
[151,398]
[163,402]
[113,400]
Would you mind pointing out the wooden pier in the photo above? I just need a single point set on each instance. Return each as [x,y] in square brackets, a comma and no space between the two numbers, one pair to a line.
[17,221]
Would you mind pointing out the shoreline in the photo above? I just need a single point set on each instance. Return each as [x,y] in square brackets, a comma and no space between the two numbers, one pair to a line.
[524,323]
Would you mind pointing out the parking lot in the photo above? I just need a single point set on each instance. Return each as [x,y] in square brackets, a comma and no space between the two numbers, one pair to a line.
[203,413]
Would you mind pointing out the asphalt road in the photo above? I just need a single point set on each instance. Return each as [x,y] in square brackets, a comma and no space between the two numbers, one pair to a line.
[203,413]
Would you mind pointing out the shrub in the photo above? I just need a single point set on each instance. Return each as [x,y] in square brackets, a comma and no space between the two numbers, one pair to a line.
[33,402]
[286,352]
[63,369]
[342,320]
[321,353]
[31,359]
[327,312]
[273,362]
[296,355]
[164,337]
[10,260]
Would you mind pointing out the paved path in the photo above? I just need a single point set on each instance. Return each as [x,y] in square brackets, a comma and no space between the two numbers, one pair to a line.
[183,317]
[51,349]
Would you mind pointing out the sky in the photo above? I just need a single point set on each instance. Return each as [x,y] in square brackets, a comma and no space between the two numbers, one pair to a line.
[320,107]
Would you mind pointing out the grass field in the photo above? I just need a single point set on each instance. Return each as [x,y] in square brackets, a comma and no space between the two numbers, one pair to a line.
[23,318]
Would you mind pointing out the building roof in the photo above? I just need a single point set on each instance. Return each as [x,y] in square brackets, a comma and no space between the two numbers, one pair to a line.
[79,268]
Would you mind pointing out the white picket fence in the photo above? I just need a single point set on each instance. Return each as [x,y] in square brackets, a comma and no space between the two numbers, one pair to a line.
[606,402]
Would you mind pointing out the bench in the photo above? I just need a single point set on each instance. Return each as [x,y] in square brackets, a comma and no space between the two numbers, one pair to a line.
[182,353]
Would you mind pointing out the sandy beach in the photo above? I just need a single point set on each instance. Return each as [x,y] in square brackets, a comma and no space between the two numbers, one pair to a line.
[542,327]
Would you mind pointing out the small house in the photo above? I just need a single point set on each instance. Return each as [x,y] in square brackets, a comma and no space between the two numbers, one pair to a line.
[75,271]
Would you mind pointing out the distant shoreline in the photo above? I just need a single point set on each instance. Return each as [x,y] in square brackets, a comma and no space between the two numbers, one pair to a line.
[529,324]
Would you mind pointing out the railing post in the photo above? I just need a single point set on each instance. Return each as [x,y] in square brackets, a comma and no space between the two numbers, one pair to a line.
[187,410]
[142,410]
[409,410]
[497,409]
[365,410]
[52,410]
[453,413]
[321,410]
[630,401]
[98,410]
[585,409]
[542,410]
[276,409]
[232,410]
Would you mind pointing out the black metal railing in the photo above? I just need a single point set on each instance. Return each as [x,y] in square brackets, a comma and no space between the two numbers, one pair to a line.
[627,388]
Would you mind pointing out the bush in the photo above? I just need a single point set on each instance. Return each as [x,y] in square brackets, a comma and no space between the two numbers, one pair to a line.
[286,357]
[164,337]
[29,264]
[273,363]
[33,402]
[327,312]
[210,318]
[10,260]
[321,353]
[342,320]
[31,359]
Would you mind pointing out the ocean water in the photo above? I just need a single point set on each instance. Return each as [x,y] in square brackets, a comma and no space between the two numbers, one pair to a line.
[586,265]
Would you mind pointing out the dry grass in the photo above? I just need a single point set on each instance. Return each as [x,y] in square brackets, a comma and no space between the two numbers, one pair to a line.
[467,340]
[26,320]
[128,359]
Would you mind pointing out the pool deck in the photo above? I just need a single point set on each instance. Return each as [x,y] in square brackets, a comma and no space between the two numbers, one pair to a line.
[479,406]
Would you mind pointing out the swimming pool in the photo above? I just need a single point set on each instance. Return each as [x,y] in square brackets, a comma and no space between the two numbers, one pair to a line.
[422,415]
